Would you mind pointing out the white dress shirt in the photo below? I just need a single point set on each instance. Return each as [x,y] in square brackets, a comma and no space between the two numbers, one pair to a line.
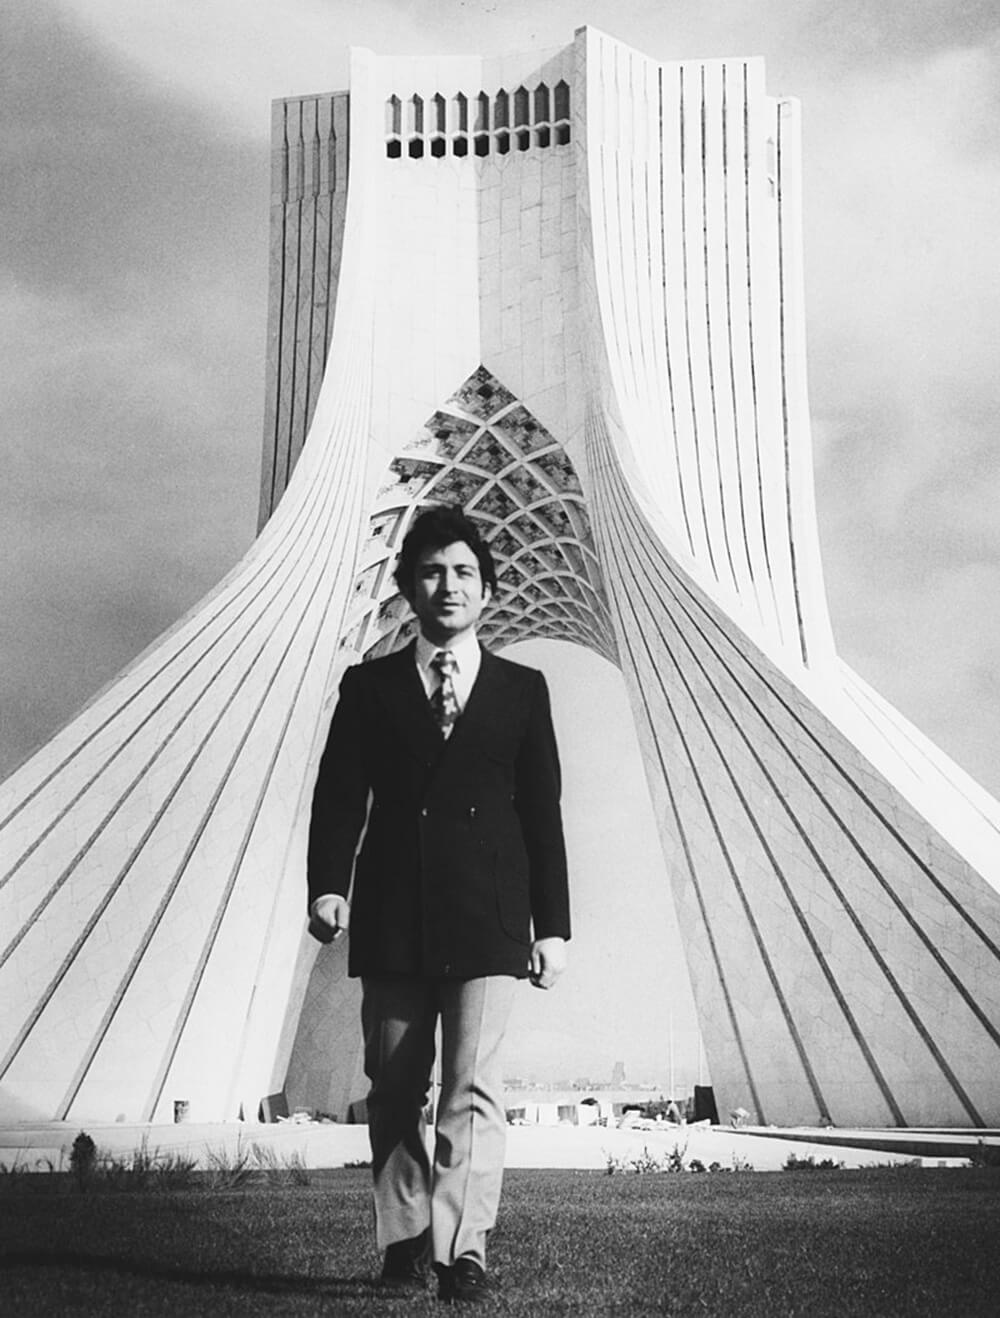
[468,657]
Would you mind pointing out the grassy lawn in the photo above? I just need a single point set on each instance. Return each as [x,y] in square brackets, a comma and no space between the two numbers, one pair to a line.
[813,1243]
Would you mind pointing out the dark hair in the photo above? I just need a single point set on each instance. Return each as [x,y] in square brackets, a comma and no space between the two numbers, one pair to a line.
[435,528]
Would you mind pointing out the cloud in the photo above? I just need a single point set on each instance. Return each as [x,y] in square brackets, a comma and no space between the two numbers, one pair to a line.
[902,171]
[132,324]
[232,57]
[901,178]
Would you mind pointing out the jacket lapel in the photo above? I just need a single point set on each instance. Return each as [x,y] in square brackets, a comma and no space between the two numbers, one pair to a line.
[484,702]
[405,700]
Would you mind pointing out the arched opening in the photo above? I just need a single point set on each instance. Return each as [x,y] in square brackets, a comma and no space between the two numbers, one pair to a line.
[484,450]
[628,1000]
[627,993]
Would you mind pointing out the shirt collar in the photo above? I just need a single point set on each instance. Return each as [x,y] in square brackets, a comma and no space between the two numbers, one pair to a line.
[465,652]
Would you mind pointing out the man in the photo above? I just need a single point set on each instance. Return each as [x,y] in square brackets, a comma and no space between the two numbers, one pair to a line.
[443,755]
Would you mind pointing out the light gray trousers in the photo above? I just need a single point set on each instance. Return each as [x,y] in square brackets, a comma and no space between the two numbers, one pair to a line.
[457,1196]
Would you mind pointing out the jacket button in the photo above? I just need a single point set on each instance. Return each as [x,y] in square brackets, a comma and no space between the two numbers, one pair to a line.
[424,812]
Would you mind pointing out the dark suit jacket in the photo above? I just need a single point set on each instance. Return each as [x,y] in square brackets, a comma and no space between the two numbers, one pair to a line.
[463,851]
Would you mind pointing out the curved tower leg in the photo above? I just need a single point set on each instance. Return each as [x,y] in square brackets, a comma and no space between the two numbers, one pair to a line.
[835,877]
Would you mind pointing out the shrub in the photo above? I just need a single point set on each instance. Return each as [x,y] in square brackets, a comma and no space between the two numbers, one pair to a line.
[12,1175]
[986,1155]
[674,1160]
[132,1172]
[296,1170]
[292,1168]
[794,1163]
[230,1170]
[83,1160]
[895,1165]
[264,1156]
[175,1171]
[645,1162]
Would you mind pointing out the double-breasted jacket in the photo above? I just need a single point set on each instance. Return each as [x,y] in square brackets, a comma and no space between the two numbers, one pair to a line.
[462,859]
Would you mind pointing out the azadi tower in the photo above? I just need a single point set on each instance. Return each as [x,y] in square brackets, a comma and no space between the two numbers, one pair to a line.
[566,293]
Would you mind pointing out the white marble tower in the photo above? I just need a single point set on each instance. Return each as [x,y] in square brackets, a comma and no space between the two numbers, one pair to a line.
[566,293]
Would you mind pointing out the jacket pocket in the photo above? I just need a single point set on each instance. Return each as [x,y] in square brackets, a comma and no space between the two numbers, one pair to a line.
[513,894]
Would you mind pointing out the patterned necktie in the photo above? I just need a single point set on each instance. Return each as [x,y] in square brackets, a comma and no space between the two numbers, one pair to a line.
[444,701]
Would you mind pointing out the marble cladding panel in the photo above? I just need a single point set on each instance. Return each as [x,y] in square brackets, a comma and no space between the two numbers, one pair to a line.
[704,320]
[243,828]
[328,1026]
[309,192]
[427,333]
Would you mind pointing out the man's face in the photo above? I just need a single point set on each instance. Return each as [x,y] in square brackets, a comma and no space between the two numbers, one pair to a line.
[448,592]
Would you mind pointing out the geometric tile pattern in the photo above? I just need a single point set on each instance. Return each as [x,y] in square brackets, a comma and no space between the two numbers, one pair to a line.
[484,450]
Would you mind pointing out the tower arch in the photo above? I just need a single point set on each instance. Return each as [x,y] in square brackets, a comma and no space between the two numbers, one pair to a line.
[484,450]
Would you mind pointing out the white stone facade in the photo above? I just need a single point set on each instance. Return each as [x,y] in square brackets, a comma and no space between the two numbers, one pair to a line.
[566,293]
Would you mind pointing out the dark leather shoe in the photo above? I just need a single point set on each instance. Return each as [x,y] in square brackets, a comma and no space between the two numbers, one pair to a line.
[405,1264]
[463,1283]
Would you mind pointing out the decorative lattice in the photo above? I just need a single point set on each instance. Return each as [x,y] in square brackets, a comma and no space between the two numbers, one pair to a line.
[485,451]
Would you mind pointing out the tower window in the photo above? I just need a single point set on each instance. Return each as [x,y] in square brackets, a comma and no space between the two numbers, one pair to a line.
[519,120]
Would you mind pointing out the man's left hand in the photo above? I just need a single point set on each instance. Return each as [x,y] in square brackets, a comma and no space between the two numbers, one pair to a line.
[548,961]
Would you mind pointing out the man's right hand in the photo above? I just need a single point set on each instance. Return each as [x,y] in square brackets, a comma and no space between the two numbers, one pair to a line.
[329,917]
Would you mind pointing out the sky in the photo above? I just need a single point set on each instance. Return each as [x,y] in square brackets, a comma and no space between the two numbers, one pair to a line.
[133,269]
